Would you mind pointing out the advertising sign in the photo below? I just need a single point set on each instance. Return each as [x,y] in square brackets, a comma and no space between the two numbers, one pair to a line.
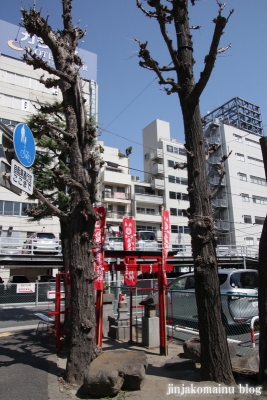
[24,145]
[21,177]
[98,250]
[14,39]
[129,238]
[25,288]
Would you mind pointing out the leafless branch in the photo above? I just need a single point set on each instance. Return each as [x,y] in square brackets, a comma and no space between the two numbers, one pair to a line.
[51,209]
[221,172]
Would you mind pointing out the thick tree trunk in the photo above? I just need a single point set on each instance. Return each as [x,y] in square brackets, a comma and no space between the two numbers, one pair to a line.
[215,358]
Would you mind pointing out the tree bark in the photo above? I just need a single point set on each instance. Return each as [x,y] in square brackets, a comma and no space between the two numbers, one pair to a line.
[215,358]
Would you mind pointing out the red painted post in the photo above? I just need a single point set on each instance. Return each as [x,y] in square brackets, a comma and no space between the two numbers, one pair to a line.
[57,311]
[162,314]
[131,314]
[99,317]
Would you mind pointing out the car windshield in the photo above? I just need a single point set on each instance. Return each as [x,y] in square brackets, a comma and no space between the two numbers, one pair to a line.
[44,235]
[115,239]
[20,279]
[244,280]
[147,235]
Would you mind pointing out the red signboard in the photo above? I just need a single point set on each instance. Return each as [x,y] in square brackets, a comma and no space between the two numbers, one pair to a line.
[98,251]
[129,239]
[165,241]
[130,277]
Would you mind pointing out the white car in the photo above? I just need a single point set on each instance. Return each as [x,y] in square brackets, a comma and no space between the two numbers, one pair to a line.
[41,242]
[113,243]
[146,241]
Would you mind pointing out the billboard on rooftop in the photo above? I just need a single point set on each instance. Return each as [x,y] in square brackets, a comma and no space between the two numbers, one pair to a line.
[14,39]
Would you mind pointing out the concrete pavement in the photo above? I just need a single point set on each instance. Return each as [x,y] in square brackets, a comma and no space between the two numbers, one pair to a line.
[31,370]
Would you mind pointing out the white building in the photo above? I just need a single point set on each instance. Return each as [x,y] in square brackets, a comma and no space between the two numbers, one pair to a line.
[20,93]
[240,204]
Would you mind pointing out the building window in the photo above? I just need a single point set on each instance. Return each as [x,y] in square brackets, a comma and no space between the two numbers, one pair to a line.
[255,161]
[174,229]
[184,181]
[170,163]
[259,200]
[247,219]
[249,241]
[259,220]
[169,148]
[147,156]
[173,211]
[238,138]
[240,157]
[171,178]
[257,180]
[253,143]
[245,197]
[242,177]
[175,150]
[182,152]
[172,195]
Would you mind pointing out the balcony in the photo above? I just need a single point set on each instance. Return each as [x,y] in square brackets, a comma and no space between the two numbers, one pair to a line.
[146,198]
[158,184]
[215,180]
[114,216]
[222,225]
[117,196]
[157,169]
[148,217]
[157,155]
[220,203]
[116,176]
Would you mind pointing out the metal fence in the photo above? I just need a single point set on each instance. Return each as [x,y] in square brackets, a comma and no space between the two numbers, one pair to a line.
[31,294]
[181,311]
[182,315]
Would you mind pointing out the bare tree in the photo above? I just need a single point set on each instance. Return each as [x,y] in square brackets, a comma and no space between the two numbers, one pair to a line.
[78,140]
[215,359]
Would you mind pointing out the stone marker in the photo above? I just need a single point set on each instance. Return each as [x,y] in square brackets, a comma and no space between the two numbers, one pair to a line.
[115,370]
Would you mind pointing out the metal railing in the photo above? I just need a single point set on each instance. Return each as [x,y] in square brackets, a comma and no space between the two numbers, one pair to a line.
[10,245]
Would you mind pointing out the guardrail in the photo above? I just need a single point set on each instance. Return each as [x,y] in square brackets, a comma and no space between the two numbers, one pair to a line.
[10,245]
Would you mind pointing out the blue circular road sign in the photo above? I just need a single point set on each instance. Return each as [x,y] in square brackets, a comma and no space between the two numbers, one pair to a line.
[24,145]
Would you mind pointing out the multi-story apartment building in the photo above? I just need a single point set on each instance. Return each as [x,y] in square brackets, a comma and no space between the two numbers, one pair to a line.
[240,204]
[167,185]
[115,188]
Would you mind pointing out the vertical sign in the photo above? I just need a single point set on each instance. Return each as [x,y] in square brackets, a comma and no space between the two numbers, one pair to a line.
[128,229]
[98,250]
[165,241]
[129,242]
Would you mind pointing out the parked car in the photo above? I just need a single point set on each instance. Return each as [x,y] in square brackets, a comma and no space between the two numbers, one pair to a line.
[146,241]
[18,279]
[51,291]
[41,242]
[113,243]
[236,286]
[44,278]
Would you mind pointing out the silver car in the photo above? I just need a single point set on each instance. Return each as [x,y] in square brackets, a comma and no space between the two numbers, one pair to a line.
[41,242]
[113,243]
[239,291]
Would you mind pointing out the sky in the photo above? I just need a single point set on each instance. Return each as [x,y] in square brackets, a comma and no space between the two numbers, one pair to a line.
[129,96]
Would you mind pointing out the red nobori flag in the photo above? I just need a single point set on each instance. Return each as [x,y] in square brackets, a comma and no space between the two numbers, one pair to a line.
[128,228]
[165,241]
[98,251]
[130,277]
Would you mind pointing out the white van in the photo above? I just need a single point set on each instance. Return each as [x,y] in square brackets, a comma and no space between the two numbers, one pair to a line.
[146,241]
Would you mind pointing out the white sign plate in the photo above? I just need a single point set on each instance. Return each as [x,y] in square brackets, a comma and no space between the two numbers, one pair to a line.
[25,287]
[21,177]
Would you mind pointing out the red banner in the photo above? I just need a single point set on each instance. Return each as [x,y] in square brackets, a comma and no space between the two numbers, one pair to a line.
[165,241]
[98,250]
[130,277]
[129,239]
